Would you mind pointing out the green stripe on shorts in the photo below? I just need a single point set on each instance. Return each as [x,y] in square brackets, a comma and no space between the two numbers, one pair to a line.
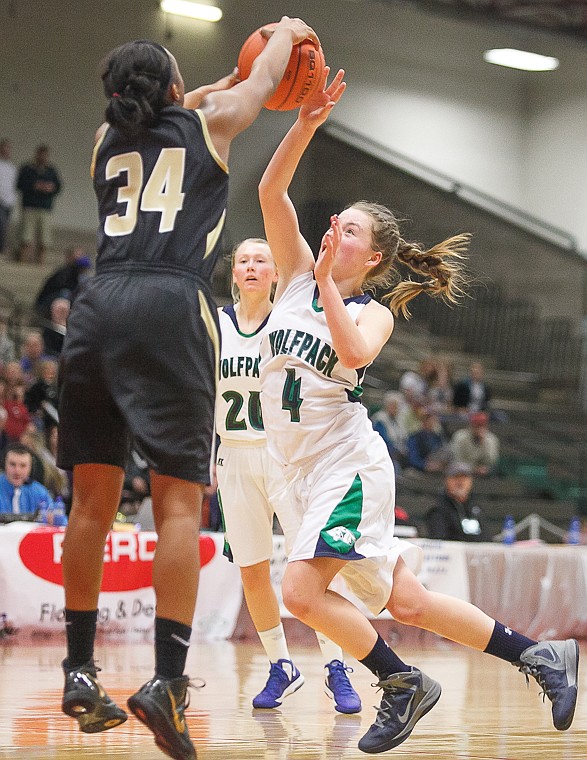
[341,530]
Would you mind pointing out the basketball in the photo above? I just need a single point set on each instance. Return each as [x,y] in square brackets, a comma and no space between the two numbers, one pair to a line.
[302,75]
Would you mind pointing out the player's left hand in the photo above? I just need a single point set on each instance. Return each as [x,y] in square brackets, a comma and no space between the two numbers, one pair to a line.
[330,244]
[317,110]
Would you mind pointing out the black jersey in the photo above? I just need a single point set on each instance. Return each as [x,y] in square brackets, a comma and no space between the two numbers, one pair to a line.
[161,196]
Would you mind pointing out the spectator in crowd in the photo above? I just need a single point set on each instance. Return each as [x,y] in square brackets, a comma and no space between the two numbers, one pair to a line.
[417,382]
[45,471]
[476,445]
[18,493]
[471,393]
[12,375]
[440,392]
[8,172]
[3,436]
[411,410]
[7,349]
[455,516]
[386,423]
[427,447]
[63,282]
[51,433]
[38,183]
[32,356]
[18,417]
[42,398]
[54,331]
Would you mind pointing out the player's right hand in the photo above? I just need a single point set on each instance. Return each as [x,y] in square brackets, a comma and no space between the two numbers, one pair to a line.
[299,29]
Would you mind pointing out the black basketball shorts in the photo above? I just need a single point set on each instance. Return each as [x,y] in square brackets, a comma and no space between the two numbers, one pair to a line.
[139,364]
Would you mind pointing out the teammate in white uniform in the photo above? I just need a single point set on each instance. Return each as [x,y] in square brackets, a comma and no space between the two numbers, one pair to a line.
[320,336]
[248,478]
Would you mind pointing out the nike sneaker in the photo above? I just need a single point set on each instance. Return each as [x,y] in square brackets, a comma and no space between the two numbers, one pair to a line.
[84,698]
[284,679]
[406,698]
[160,704]
[338,687]
[555,666]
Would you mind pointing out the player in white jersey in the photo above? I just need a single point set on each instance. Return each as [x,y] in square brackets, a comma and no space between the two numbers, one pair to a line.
[249,478]
[320,336]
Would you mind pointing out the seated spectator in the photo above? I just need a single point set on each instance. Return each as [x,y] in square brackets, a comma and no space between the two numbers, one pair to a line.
[54,331]
[476,445]
[44,469]
[417,382]
[455,516]
[471,394]
[13,376]
[410,412]
[386,423]
[18,494]
[32,355]
[42,398]
[427,447]
[3,436]
[50,453]
[18,417]
[63,282]
[440,392]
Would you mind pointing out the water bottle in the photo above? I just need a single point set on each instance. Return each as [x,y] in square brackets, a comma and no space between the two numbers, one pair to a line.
[509,530]
[42,511]
[59,516]
[574,532]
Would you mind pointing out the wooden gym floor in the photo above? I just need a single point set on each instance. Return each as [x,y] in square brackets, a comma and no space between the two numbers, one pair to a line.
[485,712]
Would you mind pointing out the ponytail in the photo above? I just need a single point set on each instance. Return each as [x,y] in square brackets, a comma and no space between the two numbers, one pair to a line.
[136,78]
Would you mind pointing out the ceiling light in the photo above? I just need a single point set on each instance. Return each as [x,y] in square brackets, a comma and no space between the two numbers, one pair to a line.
[192,10]
[520,59]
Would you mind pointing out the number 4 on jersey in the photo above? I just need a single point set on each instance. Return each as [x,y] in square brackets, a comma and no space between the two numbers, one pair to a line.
[291,398]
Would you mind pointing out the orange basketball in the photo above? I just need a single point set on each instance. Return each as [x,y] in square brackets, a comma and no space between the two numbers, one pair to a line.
[302,75]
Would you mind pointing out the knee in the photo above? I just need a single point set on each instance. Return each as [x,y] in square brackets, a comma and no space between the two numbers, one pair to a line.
[408,609]
[297,600]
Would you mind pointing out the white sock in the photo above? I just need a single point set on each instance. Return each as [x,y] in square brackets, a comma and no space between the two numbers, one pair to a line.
[330,650]
[274,643]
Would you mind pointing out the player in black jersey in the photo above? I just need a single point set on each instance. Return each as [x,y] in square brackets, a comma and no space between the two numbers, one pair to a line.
[141,353]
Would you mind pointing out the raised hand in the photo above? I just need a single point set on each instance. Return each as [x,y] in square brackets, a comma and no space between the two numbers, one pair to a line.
[301,31]
[317,110]
[330,243]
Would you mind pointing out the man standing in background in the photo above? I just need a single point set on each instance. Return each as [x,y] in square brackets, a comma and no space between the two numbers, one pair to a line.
[38,183]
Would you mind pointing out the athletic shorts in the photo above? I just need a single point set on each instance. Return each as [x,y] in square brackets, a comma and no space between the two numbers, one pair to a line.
[342,506]
[247,478]
[139,362]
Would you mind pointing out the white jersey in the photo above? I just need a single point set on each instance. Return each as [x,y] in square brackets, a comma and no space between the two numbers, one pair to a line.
[310,400]
[238,408]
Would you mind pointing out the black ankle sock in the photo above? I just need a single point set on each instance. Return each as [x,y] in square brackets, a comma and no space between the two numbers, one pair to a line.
[172,640]
[507,644]
[383,661]
[80,628]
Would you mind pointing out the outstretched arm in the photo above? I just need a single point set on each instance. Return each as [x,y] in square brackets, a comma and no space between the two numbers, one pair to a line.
[291,252]
[194,98]
[231,111]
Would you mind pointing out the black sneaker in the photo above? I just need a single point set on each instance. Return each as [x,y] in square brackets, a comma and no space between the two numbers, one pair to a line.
[555,665]
[160,704]
[85,699]
[407,697]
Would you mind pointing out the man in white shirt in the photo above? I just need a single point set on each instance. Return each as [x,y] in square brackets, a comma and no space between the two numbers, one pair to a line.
[8,172]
